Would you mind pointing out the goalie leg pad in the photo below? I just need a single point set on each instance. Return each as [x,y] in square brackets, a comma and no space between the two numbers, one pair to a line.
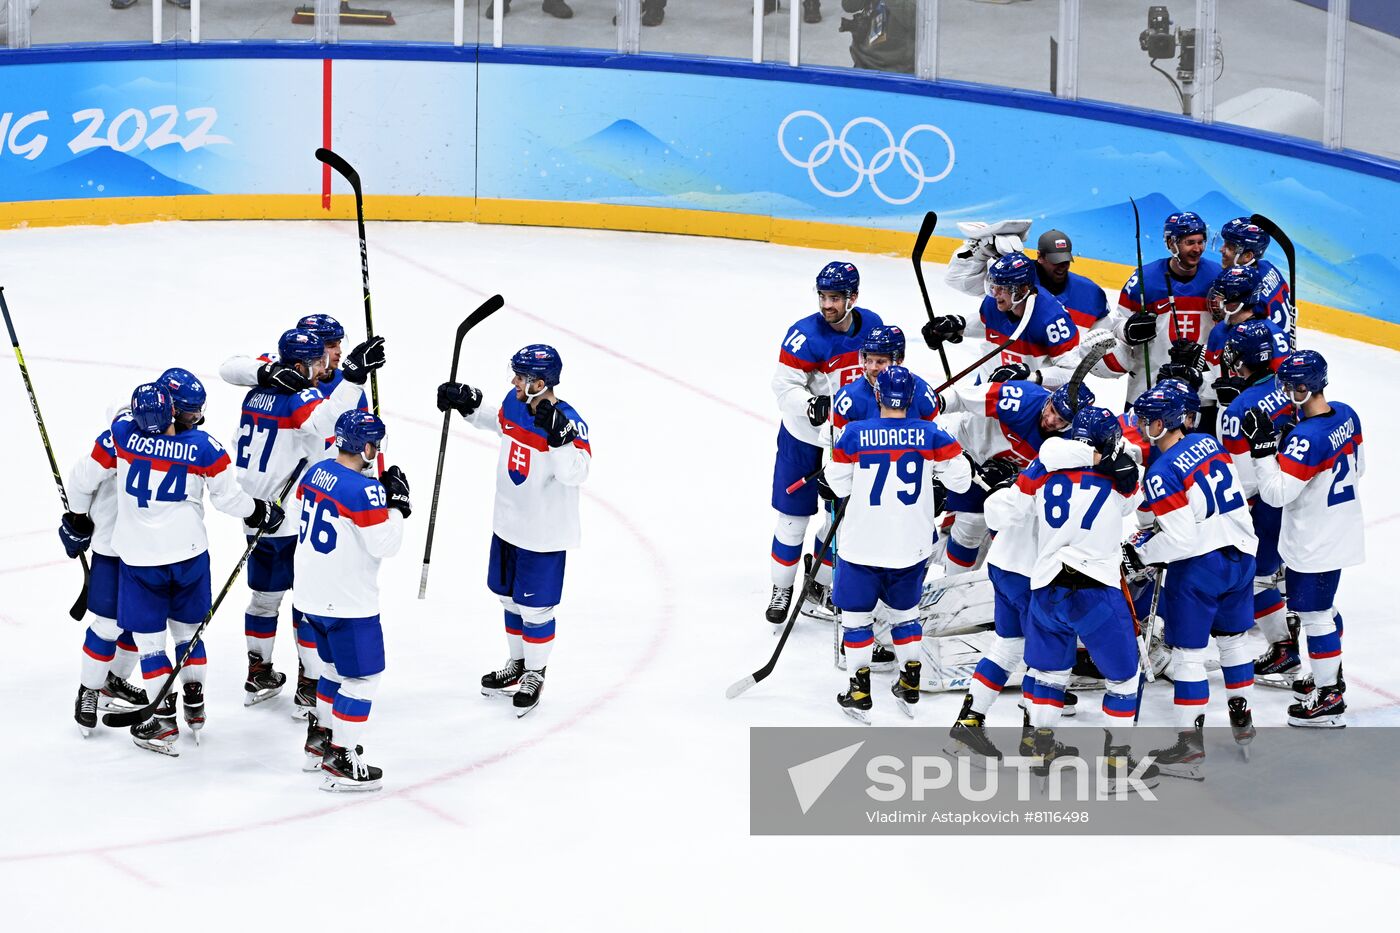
[964,602]
[951,660]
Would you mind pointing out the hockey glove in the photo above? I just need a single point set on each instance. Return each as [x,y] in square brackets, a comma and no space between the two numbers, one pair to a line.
[1121,468]
[363,360]
[396,488]
[1009,371]
[940,497]
[1187,374]
[1188,353]
[266,515]
[1227,389]
[1258,428]
[824,488]
[557,427]
[818,409]
[282,376]
[947,328]
[75,532]
[999,473]
[459,396]
[1140,328]
[1133,567]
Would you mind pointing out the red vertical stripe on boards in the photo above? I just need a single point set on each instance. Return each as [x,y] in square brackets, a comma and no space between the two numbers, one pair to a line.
[325,131]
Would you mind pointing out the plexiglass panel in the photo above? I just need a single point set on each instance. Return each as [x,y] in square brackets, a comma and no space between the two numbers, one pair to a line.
[580,24]
[997,43]
[872,34]
[1269,65]
[1125,59]
[65,21]
[1371,120]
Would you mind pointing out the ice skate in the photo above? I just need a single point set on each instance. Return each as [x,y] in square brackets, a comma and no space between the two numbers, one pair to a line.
[779,604]
[263,682]
[345,770]
[1304,686]
[159,733]
[502,681]
[856,701]
[527,695]
[304,700]
[1042,748]
[1242,724]
[1121,769]
[318,740]
[1323,709]
[906,688]
[194,708]
[970,733]
[85,710]
[1186,759]
[119,696]
[1085,675]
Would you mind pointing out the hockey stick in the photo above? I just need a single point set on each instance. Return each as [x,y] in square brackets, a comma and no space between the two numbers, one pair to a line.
[739,686]
[353,177]
[79,608]
[1275,231]
[487,308]
[920,244]
[140,715]
[1142,287]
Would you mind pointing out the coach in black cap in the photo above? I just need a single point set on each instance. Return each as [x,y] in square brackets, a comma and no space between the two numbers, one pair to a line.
[1084,300]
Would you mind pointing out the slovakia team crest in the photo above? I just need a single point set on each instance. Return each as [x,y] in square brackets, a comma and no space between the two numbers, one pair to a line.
[518,463]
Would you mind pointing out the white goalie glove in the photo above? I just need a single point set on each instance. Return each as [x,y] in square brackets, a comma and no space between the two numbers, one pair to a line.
[985,243]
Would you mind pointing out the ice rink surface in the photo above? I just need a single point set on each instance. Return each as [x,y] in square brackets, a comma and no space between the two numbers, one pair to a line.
[622,802]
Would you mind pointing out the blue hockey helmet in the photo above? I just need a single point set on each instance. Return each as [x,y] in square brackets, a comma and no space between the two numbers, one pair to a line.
[1011,270]
[1250,344]
[186,392]
[538,361]
[838,277]
[1097,427]
[1244,235]
[886,340]
[1183,224]
[1303,370]
[300,346]
[1060,400]
[894,388]
[323,326]
[355,428]
[1188,394]
[152,408]
[1236,284]
[1163,402]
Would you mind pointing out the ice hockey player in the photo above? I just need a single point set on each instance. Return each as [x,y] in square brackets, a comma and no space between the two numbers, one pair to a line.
[1076,590]
[269,371]
[1175,307]
[1010,563]
[1203,538]
[545,457]
[1234,300]
[1247,357]
[109,653]
[819,355]
[1005,425]
[350,522]
[164,464]
[1313,476]
[884,347]
[1047,344]
[1242,245]
[277,429]
[888,530]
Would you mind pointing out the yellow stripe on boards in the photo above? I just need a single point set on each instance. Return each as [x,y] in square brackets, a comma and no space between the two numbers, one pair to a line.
[804,233]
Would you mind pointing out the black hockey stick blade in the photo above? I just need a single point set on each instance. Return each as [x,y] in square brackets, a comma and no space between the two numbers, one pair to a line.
[739,686]
[79,607]
[135,717]
[921,244]
[487,308]
[1142,284]
[1275,231]
[340,166]
[1086,364]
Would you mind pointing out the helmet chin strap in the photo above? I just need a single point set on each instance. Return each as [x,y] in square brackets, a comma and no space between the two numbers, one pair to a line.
[531,396]
[1154,438]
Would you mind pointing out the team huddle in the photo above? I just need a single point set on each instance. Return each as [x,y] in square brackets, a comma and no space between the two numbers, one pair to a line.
[307,441]
[1228,481]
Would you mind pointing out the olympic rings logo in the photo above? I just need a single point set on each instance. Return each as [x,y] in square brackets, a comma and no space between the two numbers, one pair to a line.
[882,160]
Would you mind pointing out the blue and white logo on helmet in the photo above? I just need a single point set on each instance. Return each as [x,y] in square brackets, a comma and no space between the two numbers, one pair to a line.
[300,346]
[355,428]
[1011,278]
[152,409]
[1242,235]
[1097,427]
[1302,373]
[885,341]
[894,388]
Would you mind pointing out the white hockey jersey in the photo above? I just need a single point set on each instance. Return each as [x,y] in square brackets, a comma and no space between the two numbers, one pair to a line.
[160,487]
[536,485]
[344,529]
[276,430]
[1315,480]
[1014,547]
[887,467]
